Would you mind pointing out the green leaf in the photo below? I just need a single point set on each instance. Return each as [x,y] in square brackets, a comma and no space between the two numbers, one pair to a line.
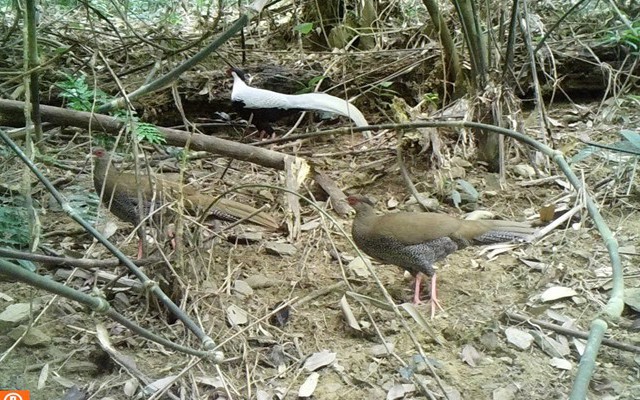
[304,28]
[28,265]
[149,132]
[431,97]
[632,137]
[78,94]
[14,227]
[468,189]
[314,81]
[583,154]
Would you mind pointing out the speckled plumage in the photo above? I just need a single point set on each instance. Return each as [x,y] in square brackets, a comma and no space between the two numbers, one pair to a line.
[416,258]
[115,197]
[415,241]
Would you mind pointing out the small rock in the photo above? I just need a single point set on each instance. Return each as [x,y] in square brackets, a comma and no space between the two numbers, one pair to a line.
[470,355]
[277,356]
[242,288]
[490,341]
[381,350]
[400,391]
[632,298]
[523,170]
[263,395]
[505,393]
[261,281]
[460,162]
[412,203]
[457,172]
[280,249]
[560,363]
[34,337]
[518,338]
[359,267]
[15,313]
[281,317]
[579,300]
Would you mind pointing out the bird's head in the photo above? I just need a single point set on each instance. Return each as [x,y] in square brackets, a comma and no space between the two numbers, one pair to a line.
[238,72]
[359,202]
[99,152]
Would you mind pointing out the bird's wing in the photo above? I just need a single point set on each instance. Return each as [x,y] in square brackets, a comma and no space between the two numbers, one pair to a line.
[415,228]
[258,98]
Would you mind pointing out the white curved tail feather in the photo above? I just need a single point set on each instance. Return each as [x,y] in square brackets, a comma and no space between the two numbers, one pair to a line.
[254,98]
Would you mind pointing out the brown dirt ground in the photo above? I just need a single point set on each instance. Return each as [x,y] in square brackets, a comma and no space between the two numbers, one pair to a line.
[475,292]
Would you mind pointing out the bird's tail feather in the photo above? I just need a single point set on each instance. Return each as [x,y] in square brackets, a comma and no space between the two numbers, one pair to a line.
[504,231]
[326,102]
[226,209]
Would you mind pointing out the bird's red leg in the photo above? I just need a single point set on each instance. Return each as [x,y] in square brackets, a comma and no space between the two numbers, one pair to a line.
[141,241]
[171,233]
[434,299]
[416,292]
[139,248]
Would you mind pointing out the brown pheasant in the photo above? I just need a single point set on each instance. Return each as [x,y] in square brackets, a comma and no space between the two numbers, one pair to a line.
[414,241]
[120,196]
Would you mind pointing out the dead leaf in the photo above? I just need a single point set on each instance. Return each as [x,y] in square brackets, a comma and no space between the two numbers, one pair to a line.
[470,355]
[547,213]
[535,265]
[160,384]
[415,314]
[580,345]
[309,385]
[348,313]
[551,346]
[319,360]
[359,267]
[236,315]
[44,374]
[130,387]
[400,390]
[561,363]
[519,338]
[556,293]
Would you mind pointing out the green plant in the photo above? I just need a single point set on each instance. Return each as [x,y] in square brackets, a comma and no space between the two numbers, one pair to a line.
[78,94]
[310,87]
[383,89]
[431,98]
[14,229]
[304,28]
[149,132]
[81,97]
[629,37]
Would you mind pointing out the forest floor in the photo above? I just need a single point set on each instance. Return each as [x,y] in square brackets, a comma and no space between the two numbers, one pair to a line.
[471,345]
